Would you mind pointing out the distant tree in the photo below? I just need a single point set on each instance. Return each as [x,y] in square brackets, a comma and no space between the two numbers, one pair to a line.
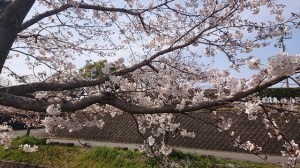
[164,43]
[93,70]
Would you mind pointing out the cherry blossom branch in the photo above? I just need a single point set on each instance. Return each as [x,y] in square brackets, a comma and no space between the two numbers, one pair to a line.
[145,139]
[32,56]
[234,139]
[25,103]
[64,7]
[203,21]
[21,89]
[157,6]
[275,128]
[135,109]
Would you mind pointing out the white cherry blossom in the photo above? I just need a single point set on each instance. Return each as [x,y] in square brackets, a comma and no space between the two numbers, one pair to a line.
[28,148]
[145,59]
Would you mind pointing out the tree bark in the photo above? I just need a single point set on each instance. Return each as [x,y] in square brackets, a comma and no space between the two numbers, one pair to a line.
[12,14]
[31,104]
[28,131]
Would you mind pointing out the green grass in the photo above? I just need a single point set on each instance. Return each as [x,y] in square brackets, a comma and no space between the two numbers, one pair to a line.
[194,161]
[78,157]
[110,157]
[30,140]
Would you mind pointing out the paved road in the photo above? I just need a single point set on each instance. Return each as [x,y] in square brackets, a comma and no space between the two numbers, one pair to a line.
[217,154]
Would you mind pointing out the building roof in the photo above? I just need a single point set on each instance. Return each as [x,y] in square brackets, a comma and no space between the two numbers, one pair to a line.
[122,129]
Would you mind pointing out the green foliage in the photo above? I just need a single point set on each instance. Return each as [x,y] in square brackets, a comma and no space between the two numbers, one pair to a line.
[192,160]
[110,157]
[196,161]
[93,71]
[28,140]
[48,155]
[280,93]
[77,157]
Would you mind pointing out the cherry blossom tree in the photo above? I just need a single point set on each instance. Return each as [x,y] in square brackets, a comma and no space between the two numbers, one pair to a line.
[158,52]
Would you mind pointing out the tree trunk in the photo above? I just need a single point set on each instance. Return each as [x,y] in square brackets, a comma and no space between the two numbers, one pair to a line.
[12,14]
[28,131]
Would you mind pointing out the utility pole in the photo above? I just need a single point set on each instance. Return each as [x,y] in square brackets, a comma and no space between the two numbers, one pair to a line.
[280,44]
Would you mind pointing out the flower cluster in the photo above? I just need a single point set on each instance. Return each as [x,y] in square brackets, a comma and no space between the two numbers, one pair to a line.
[252,108]
[52,124]
[292,152]
[254,64]
[162,123]
[5,127]
[224,125]
[187,134]
[5,139]
[54,110]
[151,141]
[165,150]
[27,148]
[72,123]
[282,65]
[248,146]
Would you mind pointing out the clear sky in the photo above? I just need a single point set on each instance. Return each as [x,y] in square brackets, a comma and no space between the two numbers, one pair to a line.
[292,47]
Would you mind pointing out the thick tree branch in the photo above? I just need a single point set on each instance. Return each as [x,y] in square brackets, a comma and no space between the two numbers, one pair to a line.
[134,109]
[125,106]
[108,98]
[30,104]
[51,86]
